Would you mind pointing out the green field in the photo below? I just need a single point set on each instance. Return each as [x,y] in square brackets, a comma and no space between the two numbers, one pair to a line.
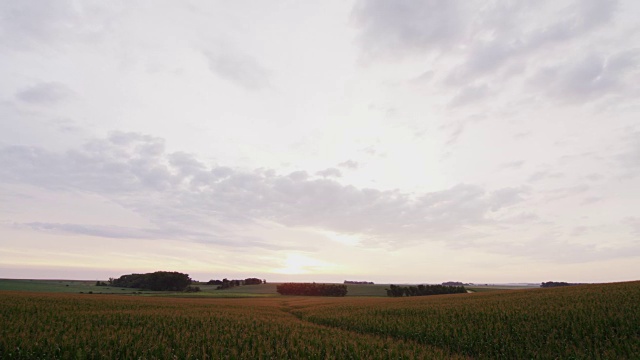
[66,286]
[86,287]
[264,290]
[81,286]
[578,322]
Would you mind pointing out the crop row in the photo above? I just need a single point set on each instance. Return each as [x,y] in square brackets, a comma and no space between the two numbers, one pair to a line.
[588,321]
[63,326]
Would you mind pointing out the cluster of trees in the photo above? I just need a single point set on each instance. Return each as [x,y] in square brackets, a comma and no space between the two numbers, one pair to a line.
[226,283]
[358,282]
[424,290]
[312,289]
[549,284]
[452,283]
[254,281]
[158,281]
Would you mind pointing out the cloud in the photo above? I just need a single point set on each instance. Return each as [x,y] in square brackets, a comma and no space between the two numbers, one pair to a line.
[394,28]
[507,196]
[119,232]
[513,164]
[579,230]
[519,219]
[469,94]
[591,200]
[239,68]
[484,58]
[566,192]
[26,21]
[552,247]
[629,158]
[592,77]
[28,25]
[634,224]
[491,31]
[116,232]
[541,175]
[479,45]
[176,191]
[594,13]
[44,93]
[349,164]
[330,172]
[516,34]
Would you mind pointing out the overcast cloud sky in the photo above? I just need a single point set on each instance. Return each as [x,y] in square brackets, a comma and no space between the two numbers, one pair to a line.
[387,141]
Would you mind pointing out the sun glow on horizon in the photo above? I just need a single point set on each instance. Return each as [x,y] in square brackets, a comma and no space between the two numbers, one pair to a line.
[296,264]
[345,239]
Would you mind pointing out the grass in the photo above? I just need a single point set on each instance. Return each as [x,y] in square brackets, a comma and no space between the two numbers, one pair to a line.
[63,286]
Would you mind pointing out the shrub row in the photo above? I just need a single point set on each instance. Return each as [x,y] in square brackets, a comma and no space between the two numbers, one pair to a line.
[549,284]
[312,289]
[424,290]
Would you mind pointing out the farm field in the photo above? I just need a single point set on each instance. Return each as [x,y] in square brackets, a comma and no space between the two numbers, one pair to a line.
[263,290]
[56,325]
[63,286]
[85,286]
[588,321]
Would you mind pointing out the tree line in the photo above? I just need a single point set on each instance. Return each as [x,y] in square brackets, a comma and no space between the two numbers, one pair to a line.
[549,284]
[158,281]
[312,289]
[226,283]
[358,282]
[424,290]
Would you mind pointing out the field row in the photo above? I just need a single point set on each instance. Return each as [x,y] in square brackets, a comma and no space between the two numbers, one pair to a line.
[62,326]
[591,321]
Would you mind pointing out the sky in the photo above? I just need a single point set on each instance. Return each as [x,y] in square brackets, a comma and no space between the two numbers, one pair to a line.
[387,141]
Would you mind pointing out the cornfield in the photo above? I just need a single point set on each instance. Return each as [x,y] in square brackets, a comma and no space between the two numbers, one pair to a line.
[590,321]
[580,322]
[64,326]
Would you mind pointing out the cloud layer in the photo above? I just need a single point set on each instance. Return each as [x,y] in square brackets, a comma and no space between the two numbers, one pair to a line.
[177,191]
[384,135]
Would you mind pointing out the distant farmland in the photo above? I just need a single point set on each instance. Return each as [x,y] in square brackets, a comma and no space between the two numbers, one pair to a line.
[588,321]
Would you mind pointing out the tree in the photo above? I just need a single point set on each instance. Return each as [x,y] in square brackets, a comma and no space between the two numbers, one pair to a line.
[158,281]
[252,281]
